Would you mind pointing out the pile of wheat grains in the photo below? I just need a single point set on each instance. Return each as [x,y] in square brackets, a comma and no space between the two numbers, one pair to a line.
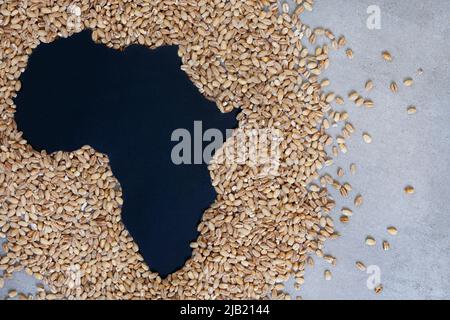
[61,213]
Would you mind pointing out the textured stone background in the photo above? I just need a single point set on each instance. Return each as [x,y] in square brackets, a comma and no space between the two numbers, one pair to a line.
[406,150]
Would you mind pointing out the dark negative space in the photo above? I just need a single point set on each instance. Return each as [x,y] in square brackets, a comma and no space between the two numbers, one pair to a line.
[126,105]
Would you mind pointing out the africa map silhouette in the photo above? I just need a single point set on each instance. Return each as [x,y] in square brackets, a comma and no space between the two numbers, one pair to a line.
[126,105]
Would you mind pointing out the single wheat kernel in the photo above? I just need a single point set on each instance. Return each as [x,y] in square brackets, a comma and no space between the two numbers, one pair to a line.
[12,293]
[343,147]
[347,212]
[368,103]
[410,190]
[392,231]
[349,53]
[353,95]
[379,289]
[360,101]
[394,87]
[22,296]
[325,83]
[412,110]
[348,186]
[344,116]
[340,100]
[335,151]
[387,56]
[358,200]
[361,266]
[353,168]
[408,82]
[330,259]
[310,261]
[367,138]
[330,97]
[370,241]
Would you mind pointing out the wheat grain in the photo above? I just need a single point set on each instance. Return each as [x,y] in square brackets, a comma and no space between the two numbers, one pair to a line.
[387,56]
[392,231]
[370,241]
[410,190]
[361,266]
[408,82]
[411,110]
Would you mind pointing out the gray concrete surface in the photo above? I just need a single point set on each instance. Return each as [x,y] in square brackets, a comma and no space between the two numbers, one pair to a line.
[405,150]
